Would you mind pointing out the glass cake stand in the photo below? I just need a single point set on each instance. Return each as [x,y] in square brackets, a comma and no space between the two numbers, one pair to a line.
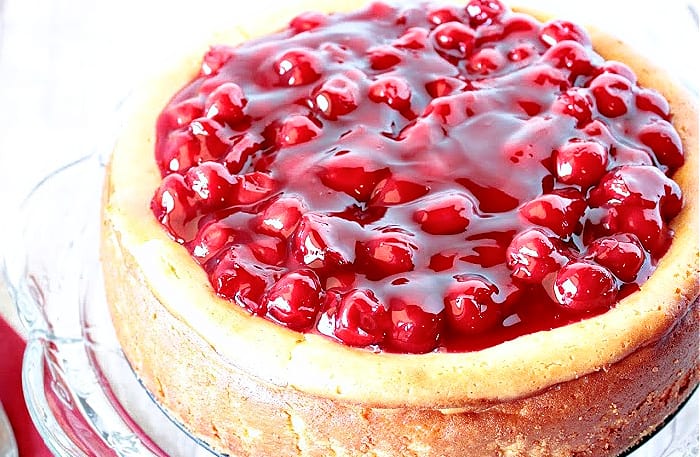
[82,395]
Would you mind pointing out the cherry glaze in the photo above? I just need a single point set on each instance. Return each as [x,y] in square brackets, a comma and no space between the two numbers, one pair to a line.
[419,177]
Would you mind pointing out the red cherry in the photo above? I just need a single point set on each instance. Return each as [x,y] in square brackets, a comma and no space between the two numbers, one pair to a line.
[443,86]
[213,237]
[394,191]
[383,57]
[391,90]
[204,139]
[613,94]
[184,112]
[616,68]
[172,206]
[570,56]
[485,61]
[482,12]
[413,38]
[269,250]
[360,319]
[647,225]
[353,177]
[665,142]
[243,148]
[385,255]
[639,187]
[316,245]
[454,39]
[236,279]
[622,254]
[559,211]
[445,214]
[226,103]
[212,185]
[307,21]
[521,52]
[653,102]
[253,187]
[296,129]
[558,30]
[281,217]
[337,96]
[582,163]
[297,67]
[413,329]
[215,58]
[444,14]
[294,300]
[582,286]
[533,254]
[575,103]
[469,305]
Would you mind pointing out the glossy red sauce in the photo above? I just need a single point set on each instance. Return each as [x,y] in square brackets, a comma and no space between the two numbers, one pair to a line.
[419,177]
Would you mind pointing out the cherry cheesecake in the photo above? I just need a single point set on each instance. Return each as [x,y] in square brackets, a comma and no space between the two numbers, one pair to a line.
[422,229]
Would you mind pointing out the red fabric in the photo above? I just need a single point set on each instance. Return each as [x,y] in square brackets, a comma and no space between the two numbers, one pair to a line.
[11,350]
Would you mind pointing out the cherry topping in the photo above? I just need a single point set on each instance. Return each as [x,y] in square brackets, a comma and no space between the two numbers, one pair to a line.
[215,58]
[360,319]
[571,56]
[444,14]
[296,129]
[281,217]
[482,12]
[294,300]
[454,38]
[236,279]
[469,305]
[213,237]
[612,94]
[581,163]
[307,21]
[485,61]
[384,57]
[413,329]
[574,103]
[583,286]
[384,255]
[391,90]
[337,96]
[559,211]
[558,30]
[445,214]
[622,254]
[184,112]
[353,178]
[665,142]
[297,67]
[226,103]
[171,205]
[394,191]
[652,101]
[533,255]
[314,243]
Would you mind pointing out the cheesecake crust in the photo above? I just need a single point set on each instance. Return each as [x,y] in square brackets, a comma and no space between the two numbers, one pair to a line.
[286,393]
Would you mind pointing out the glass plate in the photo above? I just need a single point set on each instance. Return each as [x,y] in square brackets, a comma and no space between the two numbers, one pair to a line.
[81,393]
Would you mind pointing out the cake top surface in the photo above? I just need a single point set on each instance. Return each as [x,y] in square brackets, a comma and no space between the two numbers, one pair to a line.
[419,177]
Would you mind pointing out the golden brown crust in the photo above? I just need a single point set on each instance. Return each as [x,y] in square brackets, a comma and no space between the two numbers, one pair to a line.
[161,300]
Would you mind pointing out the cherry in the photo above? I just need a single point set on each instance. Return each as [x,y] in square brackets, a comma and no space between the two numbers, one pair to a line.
[469,305]
[281,217]
[521,52]
[215,58]
[483,12]
[413,38]
[172,206]
[337,96]
[582,286]
[534,254]
[243,148]
[297,67]
[226,103]
[253,187]
[445,214]
[664,141]
[360,319]
[295,299]
[485,61]
[296,129]
[184,112]
[269,250]
[443,86]
[395,191]
[581,162]
[640,187]
[213,237]
[354,178]
[441,15]
[613,94]
[575,103]
[212,184]
[647,225]
[559,211]
[314,243]
[559,30]
[622,254]
[307,21]
[454,39]
[616,68]
[204,139]
[384,255]
[236,279]
[413,329]
[391,90]
[570,56]
[651,101]
[383,57]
